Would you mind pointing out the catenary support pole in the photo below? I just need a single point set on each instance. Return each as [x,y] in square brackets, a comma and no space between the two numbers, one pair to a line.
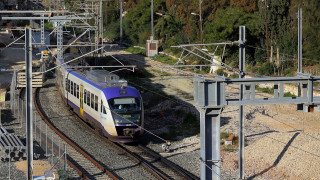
[101,25]
[299,46]
[29,104]
[242,30]
[121,33]
[65,157]
[152,31]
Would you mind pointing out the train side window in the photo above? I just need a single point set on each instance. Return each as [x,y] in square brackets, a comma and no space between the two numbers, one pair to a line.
[77,91]
[92,100]
[88,98]
[85,96]
[96,103]
[71,87]
[67,85]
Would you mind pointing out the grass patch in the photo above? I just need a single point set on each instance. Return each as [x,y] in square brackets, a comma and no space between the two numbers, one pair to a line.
[165,59]
[135,50]
[163,73]
[265,90]
[271,91]
[287,94]
[224,135]
[229,148]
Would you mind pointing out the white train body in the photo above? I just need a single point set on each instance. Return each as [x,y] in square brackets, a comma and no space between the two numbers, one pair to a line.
[101,99]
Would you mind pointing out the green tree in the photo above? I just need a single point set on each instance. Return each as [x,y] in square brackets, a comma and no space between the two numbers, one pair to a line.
[311,28]
[275,19]
[225,27]
[168,31]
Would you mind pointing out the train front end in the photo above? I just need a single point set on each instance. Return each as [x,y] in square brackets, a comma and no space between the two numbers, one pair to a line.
[126,108]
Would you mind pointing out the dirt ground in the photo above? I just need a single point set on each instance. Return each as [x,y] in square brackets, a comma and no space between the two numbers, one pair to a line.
[282,143]
[38,167]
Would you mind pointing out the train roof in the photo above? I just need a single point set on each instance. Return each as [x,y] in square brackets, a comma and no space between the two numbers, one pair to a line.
[106,81]
[102,78]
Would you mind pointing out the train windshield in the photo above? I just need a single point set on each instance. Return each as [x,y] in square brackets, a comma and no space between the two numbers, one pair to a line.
[126,110]
[124,104]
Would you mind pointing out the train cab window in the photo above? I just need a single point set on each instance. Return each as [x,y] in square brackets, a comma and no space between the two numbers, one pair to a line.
[77,91]
[71,87]
[103,110]
[88,98]
[85,96]
[92,100]
[96,103]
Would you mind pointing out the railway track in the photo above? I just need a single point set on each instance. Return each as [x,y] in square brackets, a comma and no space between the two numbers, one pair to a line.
[86,166]
[160,166]
[157,165]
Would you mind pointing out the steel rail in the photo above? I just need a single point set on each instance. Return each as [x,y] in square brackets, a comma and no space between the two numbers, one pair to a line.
[177,168]
[149,167]
[146,164]
[71,143]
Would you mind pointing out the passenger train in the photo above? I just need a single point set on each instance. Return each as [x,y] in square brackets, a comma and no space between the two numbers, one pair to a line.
[104,101]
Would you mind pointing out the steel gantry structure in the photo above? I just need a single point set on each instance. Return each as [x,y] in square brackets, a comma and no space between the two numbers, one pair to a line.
[211,98]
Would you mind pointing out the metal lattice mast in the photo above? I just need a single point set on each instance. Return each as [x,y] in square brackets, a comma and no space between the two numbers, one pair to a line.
[42,30]
[60,40]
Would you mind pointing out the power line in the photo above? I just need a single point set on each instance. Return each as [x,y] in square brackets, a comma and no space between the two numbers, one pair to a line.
[255,47]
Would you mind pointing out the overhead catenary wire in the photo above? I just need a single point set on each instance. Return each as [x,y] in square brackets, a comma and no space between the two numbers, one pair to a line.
[290,55]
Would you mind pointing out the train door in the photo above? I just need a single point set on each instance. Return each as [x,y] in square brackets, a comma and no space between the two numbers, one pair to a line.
[81,100]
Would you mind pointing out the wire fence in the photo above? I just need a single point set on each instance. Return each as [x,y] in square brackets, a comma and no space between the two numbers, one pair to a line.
[49,150]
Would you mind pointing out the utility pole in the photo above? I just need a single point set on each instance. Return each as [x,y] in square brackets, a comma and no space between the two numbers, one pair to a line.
[152,31]
[121,33]
[299,46]
[266,24]
[29,101]
[101,26]
[200,21]
[242,55]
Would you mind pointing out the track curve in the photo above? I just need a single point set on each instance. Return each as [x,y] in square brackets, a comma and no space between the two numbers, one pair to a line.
[80,169]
